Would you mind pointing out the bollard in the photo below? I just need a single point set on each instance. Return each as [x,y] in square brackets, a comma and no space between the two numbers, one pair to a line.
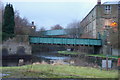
[118,63]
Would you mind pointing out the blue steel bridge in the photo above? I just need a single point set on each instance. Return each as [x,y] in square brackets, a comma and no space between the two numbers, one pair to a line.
[64,41]
[51,39]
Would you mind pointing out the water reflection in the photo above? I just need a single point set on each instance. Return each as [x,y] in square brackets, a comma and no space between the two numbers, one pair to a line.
[38,57]
[48,57]
[53,56]
[9,62]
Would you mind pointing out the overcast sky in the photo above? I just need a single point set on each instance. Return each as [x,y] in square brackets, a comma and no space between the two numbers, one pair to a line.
[47,13]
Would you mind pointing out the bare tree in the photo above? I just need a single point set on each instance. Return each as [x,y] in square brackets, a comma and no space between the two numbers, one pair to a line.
[42,29]
[74,29]
[57,26]
[21,21]
[22,25]
[1,12]
[1,18]
[40,32]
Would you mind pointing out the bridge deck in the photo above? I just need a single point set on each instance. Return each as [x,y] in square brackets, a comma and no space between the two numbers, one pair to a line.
[72,41]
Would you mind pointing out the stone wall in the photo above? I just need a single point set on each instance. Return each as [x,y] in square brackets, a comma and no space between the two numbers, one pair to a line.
[108,50]
[15,46]
[116,52]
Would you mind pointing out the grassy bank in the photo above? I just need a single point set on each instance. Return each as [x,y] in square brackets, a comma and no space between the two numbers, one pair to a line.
[68,52]
[56,71]
[103,56]
[94,55]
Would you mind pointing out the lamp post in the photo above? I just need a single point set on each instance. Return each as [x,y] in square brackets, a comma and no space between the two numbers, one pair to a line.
[106,43]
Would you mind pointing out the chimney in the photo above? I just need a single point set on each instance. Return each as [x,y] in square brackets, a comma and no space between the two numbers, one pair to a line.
[32,23]
[98,2]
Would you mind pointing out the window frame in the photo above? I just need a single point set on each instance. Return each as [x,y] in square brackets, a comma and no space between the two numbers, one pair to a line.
[107,9]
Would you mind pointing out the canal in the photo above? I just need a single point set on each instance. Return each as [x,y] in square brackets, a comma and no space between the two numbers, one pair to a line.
[55,57]
[48,57]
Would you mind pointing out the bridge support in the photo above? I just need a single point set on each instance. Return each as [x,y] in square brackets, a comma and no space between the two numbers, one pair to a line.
[89,49]
[97,50]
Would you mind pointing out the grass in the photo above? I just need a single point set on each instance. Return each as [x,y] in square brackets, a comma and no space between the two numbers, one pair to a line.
[104,56]
[95,55]
[56,71]
[68,52]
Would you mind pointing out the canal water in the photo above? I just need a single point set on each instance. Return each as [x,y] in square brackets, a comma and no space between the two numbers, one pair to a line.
[47,57]
[52,57]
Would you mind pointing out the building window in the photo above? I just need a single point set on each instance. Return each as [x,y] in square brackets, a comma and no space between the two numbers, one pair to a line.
[107,22]
[107,9]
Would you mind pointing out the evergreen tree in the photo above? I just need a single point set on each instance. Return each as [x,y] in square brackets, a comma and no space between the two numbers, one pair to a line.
[8,22]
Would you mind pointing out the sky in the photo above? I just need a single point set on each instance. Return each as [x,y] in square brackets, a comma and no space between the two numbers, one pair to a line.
[47,13]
